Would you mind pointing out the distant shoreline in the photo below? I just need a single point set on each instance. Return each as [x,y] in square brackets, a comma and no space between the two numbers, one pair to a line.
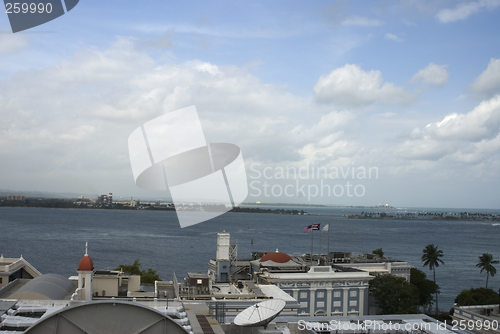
[57,203]
[463,216]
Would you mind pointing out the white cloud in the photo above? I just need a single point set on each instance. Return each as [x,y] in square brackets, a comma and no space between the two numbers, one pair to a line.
[361,21]
[487,83]
[423,149]
[483,122]
[393,37]
[74,118]
[464,10]
[432,74]
[468,137]
[350,85]
[10,43]
[337,14]
[325,139]
[386,114]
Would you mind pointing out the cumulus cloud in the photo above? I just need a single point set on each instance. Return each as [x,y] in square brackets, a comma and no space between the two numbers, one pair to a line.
[487,83]
[325,139]
[393,37]
[10,43]
[65,127]
[432,74]
[74,118]
[350,85]
[464,10]
[465,137]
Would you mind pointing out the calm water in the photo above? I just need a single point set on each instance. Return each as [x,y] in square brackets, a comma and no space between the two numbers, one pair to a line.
[53,240]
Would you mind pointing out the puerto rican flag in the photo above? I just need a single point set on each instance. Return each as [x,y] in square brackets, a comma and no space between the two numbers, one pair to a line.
[310,228]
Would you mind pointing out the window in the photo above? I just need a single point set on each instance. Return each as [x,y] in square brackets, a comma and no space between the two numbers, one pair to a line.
[303,295]
[320,294]
[353,293]
[198,281]
[320,304]
[303,304]
[337,303]
[336,294]
[353,303]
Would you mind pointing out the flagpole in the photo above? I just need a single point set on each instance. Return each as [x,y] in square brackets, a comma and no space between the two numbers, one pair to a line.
[312,231]
[319,244]
[328,239]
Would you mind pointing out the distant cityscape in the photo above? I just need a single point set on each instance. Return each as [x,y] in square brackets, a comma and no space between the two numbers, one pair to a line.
[106,202]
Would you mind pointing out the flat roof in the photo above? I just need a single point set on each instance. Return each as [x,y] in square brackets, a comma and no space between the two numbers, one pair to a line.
[318,275]
[197,275]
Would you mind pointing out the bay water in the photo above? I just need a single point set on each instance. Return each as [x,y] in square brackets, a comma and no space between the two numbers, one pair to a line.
[53,240]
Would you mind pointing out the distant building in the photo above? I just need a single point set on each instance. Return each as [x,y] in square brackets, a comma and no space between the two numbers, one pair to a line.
[197,284]
[333,284]
[320,290]
[15,198]
[103,199]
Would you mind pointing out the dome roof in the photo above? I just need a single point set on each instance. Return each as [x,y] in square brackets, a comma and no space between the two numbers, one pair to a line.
[277,257]
[48,286]
[86,263]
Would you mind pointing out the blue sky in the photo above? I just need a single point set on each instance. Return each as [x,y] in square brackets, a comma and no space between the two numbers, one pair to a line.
[408,87]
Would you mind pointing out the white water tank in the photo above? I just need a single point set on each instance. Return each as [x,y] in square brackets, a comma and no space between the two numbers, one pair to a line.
[223,244]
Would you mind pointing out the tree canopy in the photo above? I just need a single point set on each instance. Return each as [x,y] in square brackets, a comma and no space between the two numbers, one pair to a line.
[378,252]
[431,258]
[147,276]
[394,295]
[479,296]
[426,288]
[486,263]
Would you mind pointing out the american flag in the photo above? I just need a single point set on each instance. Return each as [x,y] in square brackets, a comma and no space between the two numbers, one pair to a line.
[310,228]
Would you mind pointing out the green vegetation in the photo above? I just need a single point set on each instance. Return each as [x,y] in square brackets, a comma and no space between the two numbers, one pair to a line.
[486,263]
[277,211]
[394,295]
[378,252]
[431,258]
[40,203]
[147,276]
[479,296]
[426,288]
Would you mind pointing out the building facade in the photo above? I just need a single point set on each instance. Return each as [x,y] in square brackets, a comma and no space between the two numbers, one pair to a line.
[323,291]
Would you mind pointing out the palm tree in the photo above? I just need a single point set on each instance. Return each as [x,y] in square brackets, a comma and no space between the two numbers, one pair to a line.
[486,263]
[432,258]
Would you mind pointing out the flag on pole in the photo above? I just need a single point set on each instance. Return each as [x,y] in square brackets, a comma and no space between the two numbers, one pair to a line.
[310,228]
[326,228]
